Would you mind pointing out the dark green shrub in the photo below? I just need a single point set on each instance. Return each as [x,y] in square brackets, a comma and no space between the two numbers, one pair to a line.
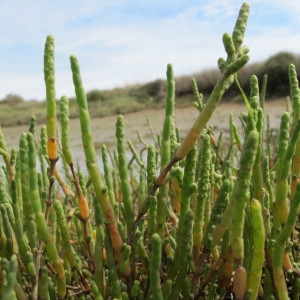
[154,91]
[95,96]
[276,67]
[12,99]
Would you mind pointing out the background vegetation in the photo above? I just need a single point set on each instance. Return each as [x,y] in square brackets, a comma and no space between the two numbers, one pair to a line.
[14,110]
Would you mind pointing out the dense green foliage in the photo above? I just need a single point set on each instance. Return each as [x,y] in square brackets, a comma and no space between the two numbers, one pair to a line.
[191,218]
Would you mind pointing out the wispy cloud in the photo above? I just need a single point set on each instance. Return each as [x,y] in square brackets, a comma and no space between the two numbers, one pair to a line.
[123,42]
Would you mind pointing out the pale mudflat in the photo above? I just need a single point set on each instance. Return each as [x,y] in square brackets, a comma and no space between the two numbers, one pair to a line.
[103,129]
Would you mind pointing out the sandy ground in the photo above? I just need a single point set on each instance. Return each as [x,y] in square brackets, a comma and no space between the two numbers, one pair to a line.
[104,128]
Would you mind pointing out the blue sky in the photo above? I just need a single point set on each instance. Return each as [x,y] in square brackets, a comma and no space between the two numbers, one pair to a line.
[124,42]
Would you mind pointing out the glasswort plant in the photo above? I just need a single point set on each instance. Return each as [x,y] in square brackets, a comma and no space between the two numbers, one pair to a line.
[192,218]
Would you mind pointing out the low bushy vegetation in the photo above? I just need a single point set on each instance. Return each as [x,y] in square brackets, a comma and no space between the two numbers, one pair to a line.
[14,110]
